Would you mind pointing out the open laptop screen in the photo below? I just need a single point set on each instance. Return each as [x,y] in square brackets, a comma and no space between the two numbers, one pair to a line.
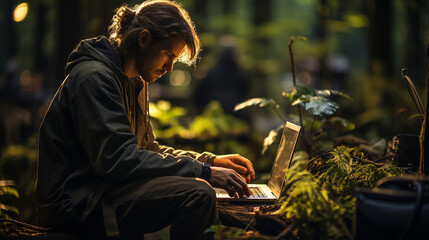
[284,157]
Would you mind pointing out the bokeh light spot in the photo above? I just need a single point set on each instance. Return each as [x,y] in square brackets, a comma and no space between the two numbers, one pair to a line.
[20,12]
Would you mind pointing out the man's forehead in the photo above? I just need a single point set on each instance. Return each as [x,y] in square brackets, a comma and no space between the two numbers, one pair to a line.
[175,45]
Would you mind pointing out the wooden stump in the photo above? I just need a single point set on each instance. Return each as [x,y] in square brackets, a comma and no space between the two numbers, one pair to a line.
[248,216]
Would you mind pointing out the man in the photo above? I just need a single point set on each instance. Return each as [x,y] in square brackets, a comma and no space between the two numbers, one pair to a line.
[98,156]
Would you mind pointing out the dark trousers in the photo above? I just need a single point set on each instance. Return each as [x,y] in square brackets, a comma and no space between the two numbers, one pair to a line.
[149,205]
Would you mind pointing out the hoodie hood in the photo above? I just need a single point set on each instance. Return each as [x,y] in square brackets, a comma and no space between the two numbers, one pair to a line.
[96,49]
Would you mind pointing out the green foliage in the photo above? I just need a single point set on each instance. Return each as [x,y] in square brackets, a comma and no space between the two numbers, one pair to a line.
[261,102]
[7,189]
[318,124]
[212,123]
[315,101]
[8,193]
[304,200]
[314,201]
[320,107]
[18,163]
[323,199]
[163,112]
[299,161]
[345,173]
[212,130]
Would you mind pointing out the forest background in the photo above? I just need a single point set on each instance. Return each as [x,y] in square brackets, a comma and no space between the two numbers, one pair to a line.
[357,47]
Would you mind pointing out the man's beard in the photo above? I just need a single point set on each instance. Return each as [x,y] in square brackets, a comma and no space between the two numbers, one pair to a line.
[139,63]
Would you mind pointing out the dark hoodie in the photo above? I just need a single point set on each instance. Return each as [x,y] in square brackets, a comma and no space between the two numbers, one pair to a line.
[96,134]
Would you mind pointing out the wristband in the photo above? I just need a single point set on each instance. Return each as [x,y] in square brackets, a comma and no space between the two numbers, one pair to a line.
[206,172]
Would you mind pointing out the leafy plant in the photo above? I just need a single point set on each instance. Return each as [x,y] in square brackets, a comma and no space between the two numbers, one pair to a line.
[346,171]
[423,141]
[315,101]
[322,198]
[212,123]
[319,105]
[18,163]
[305,201]
[7,189]
[213,130]
[8,193]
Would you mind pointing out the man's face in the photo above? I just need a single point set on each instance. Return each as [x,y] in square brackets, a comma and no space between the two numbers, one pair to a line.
[155,60]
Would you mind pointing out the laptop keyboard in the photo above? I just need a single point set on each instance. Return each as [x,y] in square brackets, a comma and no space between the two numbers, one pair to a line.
[257,192]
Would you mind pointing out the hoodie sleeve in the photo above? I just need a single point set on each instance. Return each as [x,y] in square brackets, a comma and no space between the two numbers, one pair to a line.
[205,157]
[105,133]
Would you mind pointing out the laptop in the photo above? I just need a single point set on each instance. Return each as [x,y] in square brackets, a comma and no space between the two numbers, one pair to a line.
[270,192]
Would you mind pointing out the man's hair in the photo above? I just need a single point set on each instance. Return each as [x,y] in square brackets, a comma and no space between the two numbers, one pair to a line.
[163,19]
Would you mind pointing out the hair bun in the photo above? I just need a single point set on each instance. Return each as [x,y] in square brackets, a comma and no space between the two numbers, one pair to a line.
[122,19]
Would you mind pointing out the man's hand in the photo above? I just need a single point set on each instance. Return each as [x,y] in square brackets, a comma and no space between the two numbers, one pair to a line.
[229,180]
[240,164]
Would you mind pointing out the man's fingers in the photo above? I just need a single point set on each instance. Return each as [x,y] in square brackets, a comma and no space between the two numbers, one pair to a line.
[230,190]
[242,186]
[237,162]
[251,171]
[248,178]
[230,180]
[238,188]
[239,169]
[247,165]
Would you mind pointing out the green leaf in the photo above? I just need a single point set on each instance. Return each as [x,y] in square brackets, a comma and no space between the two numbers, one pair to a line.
[9,191]
[341,125]
[300,91]
[9,208]
[341,157]
[317,105]
[165,113]
[312,124]
[327,93]
[260,102]
[417,115]
[202,124]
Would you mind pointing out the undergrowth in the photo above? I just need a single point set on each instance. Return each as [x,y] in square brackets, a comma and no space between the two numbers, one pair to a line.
[322,198]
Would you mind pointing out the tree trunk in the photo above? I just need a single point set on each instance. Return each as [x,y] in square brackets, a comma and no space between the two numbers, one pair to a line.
[68,35]
[321,36]
[380,38]
[7,31]
[414,57]
[39,60]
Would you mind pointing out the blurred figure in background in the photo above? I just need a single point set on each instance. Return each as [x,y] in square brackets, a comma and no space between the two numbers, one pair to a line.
[226,82]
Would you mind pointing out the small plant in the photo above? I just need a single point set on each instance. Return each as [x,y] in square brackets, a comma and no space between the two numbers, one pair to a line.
[7,192]
[18,163]
[7,189]
[306,202]
[322,198]
[319,123]
[424,131]
[347,170]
